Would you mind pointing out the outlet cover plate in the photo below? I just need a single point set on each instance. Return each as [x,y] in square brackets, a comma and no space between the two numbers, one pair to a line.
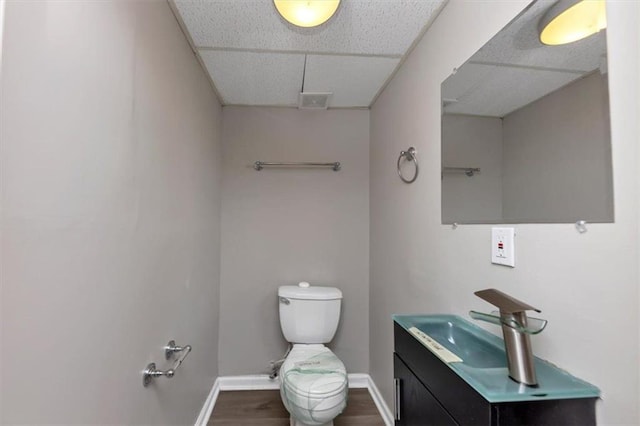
[503,246]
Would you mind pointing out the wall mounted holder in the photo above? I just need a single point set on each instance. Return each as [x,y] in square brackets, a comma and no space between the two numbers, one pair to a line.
[151,372]
[409,155]
[259,165]
[469,171]
[581,226]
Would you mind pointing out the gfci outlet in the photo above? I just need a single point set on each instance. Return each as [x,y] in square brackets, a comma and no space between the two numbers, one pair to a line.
[503,246]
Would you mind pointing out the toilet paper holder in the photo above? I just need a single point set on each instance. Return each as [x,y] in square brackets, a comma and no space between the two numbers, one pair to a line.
[151,372]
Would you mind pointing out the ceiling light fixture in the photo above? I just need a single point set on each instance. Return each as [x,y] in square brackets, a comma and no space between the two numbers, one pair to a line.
[307,13]
[572,20]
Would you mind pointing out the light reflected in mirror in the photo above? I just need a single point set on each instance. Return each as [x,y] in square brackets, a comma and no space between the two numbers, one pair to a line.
[525,130]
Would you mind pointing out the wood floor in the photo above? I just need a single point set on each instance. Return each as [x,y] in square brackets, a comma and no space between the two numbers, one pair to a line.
[264,407]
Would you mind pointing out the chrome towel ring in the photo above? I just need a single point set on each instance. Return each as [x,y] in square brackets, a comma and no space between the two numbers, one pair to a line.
[409,155]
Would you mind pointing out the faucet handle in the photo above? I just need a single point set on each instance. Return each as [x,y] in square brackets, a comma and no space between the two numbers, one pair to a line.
[505,303]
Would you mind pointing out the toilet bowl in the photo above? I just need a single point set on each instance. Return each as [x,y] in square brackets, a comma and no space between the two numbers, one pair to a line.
[314,385]
[313,380]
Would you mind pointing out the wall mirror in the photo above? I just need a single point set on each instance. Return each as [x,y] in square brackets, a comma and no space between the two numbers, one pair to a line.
[525,130]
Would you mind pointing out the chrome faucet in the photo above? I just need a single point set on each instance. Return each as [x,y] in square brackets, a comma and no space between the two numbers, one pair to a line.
[516,328]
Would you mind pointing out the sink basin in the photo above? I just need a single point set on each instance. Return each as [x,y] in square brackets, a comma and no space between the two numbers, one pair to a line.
[483,361]
[474,351]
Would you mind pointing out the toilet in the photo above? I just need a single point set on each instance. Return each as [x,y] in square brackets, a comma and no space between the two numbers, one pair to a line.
[313,380]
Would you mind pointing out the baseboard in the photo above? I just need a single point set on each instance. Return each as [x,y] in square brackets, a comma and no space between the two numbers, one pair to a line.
[248,382]
[358,380]
[383,408]
[263,382]
[207,408]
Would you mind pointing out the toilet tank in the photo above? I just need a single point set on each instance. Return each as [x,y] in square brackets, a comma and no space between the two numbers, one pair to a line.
[309,314]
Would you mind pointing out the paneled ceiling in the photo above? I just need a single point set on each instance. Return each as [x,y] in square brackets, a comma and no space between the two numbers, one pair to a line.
[254,57]
[514,68]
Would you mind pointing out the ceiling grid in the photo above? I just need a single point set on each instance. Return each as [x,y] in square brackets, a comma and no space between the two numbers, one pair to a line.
[254,57]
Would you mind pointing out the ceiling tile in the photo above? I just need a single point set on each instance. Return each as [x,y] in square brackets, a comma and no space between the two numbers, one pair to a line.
[520,45]
[495,91]
[353,80]
[464,81]
[248,78]
[382,27]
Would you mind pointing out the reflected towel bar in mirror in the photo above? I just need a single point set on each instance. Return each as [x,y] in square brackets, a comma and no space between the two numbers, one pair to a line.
[469,171]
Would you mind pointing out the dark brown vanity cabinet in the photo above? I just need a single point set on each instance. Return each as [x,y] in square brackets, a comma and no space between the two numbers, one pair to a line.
[414,401]
[428,393]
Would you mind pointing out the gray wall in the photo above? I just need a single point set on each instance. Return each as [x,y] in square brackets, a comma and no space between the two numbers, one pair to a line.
[280,227]
[110,184]
[629,97]
[548,161]
[585,284]
[472,141]
[557,156]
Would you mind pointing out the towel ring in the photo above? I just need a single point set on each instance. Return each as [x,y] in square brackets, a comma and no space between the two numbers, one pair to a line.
[410,155]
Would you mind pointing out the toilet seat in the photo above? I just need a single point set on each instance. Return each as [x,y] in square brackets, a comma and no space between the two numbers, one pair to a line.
[314,384]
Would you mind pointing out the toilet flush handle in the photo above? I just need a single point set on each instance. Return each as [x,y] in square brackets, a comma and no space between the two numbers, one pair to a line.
[285,300]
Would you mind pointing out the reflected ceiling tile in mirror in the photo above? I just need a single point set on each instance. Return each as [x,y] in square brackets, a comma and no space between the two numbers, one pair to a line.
[535,120]
[495,91]
[519,44]
[463,81]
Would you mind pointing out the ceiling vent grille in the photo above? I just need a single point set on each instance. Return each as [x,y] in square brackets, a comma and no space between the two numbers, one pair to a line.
[307,100]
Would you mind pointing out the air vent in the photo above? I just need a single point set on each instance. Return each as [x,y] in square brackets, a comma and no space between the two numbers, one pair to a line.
[308,100]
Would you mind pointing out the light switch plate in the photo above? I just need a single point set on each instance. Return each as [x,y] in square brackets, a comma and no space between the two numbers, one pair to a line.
[503,246]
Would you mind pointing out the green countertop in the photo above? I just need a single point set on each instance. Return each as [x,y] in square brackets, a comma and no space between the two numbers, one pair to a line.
[484,362]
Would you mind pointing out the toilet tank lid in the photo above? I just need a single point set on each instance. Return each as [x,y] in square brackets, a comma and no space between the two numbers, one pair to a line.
[309,293]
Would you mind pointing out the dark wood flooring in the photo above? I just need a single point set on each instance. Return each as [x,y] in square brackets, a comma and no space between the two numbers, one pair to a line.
[264,407]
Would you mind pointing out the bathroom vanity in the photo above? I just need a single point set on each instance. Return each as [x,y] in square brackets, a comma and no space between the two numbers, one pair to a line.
[467,383]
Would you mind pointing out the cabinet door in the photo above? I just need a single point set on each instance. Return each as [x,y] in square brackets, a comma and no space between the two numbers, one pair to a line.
[415,406]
